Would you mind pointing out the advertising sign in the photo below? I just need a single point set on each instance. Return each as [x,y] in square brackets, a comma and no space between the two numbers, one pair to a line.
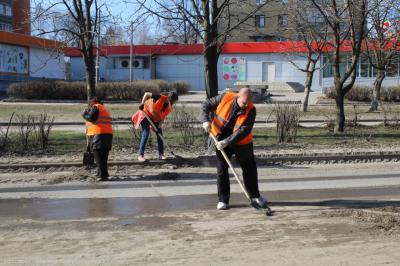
[14,59]
[234,68]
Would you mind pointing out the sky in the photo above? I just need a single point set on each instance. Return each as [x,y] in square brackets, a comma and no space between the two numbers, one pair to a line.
[123,14]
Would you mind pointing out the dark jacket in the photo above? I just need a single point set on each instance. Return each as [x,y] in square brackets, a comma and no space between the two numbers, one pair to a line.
[100,141]
[210,106]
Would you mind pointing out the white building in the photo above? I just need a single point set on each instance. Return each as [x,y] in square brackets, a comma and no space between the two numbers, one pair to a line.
[266,63]
[24,57]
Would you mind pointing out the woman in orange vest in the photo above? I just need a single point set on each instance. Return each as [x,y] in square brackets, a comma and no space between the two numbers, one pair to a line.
[157,108]
[100,133]
[233,119]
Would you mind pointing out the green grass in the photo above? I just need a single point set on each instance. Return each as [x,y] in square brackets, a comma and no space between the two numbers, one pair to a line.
[72,112]
[67,142]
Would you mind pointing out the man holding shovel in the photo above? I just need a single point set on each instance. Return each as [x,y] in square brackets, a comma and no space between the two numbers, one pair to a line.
[99,131]
[232,124]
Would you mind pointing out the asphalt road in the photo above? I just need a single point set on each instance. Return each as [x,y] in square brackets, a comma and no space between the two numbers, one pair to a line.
[195,189]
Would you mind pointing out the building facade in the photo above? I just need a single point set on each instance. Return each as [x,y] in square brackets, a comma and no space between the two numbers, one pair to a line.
[6,21]
[15,16]
[269,23]
[277,20]
[24,57]
[268,63]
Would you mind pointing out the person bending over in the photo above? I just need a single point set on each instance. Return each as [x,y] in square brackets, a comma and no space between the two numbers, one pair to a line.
[157,107]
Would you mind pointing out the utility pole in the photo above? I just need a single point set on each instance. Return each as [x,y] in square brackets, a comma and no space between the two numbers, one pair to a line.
[98,50]
[131,56]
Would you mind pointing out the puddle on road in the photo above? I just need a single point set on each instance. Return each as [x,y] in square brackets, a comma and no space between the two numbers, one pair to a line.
[124,208]
[132,210]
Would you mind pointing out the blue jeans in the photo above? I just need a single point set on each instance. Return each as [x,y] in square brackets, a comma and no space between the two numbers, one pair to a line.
[145,124]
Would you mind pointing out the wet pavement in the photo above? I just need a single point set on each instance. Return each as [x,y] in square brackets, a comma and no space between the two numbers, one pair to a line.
[369,185]
[129,208]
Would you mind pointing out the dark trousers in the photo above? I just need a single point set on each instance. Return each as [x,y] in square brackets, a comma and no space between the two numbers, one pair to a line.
[101,158]
[250,176]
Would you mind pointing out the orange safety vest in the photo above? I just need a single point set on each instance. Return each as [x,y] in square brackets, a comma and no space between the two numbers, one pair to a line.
[103,124]
[155,109]
[222,115]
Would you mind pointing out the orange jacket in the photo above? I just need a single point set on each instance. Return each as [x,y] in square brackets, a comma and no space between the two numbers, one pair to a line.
[155,109]
[222,116]
[103,124]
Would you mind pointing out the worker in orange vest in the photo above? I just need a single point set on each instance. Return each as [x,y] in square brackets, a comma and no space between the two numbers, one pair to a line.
[233,120]
[157,107]
[100,133]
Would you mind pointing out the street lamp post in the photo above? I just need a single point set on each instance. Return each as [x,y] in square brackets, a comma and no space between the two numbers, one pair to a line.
[131,56]
[98,50]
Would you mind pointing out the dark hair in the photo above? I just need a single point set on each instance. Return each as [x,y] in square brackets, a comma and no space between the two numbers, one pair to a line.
[96,99]
[173,97]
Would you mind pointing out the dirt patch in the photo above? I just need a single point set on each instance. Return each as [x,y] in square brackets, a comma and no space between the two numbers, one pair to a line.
[80,175]
[385,219]
[237,237]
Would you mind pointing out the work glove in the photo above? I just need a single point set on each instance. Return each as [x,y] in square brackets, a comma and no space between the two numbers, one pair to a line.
[206,126]
[220,145]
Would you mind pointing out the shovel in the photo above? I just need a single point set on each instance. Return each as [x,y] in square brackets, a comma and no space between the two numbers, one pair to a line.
[88,157]
[155,129]
[253,204]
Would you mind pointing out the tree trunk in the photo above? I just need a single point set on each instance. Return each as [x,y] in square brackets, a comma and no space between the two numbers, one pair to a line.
[376,94]
[307,89]
[211,70]
[340,117]
[90,74]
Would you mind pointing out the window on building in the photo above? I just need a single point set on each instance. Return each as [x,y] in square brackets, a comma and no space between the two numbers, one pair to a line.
[260,2]
[5,27]
[328,68]
[364,69]
[285,2]
[313,16]
[392,70]
[260,21]
[5,10]
[283,20]
[8,11]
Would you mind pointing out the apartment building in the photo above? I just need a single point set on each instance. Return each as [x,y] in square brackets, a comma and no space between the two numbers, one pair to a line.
[270,21]
[275,20]
[15,16]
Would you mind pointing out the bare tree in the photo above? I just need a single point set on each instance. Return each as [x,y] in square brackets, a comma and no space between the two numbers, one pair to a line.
[346,21]
[72,21]
[382,42]
[211,20]
[181,31]
[114,35]
[312,35]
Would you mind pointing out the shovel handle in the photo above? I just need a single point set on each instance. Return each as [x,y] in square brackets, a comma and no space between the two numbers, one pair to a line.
[232,168]
[154,126]
[157,132]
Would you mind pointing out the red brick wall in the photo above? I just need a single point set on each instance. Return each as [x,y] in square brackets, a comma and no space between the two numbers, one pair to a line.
[21,16]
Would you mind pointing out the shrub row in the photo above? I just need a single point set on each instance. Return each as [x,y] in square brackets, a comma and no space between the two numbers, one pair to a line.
[62,90]
[364,93]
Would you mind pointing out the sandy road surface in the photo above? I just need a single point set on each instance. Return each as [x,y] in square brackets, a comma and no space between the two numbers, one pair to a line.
[295,236]
[147,218]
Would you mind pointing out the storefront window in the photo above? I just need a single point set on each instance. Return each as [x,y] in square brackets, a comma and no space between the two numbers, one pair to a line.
[364,68]
[392,70]
[327,67]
